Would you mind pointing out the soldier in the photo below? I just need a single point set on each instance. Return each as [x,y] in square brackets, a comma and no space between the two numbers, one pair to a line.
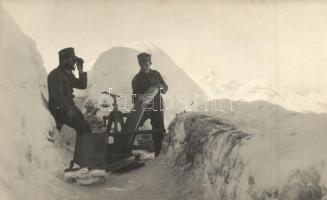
[61,82]
[141,82]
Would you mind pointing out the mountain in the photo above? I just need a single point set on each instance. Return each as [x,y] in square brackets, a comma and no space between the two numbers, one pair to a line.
[295,99]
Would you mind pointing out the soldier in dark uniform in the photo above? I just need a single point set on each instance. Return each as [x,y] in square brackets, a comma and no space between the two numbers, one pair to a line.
[61,82]
[141,82]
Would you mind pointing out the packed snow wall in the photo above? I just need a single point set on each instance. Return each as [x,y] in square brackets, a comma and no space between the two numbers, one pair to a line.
[221,157]
[28,162]
[205,153]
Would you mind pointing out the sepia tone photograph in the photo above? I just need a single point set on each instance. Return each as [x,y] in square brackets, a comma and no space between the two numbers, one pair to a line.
[163,100]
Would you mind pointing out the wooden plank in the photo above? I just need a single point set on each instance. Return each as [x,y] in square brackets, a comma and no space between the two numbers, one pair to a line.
[137,112]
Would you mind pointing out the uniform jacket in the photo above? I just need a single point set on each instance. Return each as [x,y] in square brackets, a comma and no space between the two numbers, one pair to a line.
[60,86]
[142,81]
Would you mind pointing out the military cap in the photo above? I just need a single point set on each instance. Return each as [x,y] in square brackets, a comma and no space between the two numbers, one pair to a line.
[66,52]
[144,57]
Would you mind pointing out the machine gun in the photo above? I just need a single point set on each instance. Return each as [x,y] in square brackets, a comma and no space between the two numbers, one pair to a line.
[112,149]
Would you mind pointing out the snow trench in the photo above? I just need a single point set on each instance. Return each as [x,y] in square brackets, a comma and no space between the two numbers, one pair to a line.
[209,156]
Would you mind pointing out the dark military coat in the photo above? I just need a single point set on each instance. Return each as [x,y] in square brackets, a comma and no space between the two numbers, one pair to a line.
[60,86]
[143,81]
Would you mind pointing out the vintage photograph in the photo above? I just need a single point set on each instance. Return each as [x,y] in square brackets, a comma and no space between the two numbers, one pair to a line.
[163,100]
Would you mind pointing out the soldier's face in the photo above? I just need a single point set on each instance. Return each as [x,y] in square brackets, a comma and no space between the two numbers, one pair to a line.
[70,62]
[145,66]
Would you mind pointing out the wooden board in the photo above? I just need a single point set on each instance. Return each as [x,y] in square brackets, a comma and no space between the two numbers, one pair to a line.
[136,114]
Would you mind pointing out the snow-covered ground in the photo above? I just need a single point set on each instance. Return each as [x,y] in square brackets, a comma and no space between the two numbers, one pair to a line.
[297,99]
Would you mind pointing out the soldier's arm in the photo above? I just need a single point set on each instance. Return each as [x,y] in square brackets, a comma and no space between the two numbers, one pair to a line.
[81,81]
[56,91]
[163,85]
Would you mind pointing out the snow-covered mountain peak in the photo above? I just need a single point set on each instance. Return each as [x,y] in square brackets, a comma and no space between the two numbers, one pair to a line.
[296,99]
[143,46]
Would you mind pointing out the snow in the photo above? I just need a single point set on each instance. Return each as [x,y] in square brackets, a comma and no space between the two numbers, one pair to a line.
[296,99]
[28,161]
[143,46]
[247,149]
[248,153]
[85,176]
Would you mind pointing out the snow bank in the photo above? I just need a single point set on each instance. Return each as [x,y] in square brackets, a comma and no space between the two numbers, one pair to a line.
[246,155]
[28,161]
[205,152]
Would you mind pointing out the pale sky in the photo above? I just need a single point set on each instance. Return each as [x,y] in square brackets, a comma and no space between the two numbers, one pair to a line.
[281,42]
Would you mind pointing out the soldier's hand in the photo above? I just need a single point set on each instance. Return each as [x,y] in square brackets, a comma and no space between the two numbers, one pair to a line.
[79,64]
[162,89]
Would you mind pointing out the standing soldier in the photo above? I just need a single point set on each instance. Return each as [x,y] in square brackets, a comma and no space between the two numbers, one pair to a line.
[61,82]
[143,81]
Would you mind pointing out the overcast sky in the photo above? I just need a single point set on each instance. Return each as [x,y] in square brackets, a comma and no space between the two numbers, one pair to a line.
[281,42]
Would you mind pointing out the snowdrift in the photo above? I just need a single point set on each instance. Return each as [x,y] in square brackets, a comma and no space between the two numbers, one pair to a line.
[29,162]
[243,155]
